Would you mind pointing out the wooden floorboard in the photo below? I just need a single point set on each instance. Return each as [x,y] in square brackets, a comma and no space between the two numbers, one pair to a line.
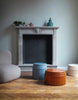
[26,88]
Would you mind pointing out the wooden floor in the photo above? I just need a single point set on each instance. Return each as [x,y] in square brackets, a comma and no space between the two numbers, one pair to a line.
[26,88]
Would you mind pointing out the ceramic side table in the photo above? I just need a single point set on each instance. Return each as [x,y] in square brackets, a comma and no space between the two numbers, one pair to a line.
[39,70]
[73,70]
[55,77]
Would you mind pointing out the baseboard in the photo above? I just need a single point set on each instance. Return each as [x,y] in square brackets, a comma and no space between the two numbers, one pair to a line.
[29,68]
[26,69]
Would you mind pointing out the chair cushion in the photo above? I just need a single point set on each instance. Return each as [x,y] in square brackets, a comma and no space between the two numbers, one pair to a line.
[9,72]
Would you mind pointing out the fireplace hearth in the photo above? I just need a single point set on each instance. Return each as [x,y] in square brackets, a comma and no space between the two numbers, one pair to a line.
[36,44]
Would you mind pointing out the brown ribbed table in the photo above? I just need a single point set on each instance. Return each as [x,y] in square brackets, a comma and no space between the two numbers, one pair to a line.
[55,77]
[26,88]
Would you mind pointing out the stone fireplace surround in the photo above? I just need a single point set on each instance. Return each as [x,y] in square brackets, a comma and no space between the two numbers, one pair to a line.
[30,31]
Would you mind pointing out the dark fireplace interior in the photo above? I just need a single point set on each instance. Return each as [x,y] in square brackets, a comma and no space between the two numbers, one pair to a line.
[37,48]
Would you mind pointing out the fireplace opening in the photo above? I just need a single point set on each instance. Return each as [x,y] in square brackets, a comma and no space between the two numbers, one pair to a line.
[37,48]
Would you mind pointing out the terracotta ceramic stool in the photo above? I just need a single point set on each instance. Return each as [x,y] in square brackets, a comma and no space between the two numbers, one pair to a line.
[55,77]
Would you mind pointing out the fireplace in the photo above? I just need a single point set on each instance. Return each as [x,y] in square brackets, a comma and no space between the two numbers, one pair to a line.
[36,44]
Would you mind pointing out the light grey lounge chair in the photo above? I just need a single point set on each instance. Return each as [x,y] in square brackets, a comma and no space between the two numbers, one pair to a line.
[8,71]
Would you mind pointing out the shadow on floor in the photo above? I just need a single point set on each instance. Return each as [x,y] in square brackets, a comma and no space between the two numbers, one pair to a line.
[28,75]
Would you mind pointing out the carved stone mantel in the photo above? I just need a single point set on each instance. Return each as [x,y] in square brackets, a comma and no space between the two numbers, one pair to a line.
[46,30]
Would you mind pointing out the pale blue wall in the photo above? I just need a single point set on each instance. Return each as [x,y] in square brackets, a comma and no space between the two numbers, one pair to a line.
[63,13]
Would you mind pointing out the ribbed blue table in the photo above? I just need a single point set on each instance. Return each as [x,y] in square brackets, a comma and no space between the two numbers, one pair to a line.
[39,70]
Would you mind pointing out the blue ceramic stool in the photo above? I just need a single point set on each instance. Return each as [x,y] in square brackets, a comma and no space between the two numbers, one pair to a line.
[39,70]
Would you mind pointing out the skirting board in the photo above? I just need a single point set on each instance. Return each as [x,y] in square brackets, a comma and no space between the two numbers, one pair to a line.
[29,68]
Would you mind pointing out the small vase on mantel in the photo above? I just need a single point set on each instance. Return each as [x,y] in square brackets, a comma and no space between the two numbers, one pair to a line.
[50,23]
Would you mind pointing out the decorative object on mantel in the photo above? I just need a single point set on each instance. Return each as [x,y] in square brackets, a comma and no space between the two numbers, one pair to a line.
[20,23]
[24,24]
[50,23]
[17,23]
[31,24]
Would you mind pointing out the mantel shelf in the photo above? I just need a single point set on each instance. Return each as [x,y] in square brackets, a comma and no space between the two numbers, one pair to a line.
[28,27]
[49,65]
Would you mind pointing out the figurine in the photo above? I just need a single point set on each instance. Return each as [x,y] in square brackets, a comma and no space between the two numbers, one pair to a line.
[24,24]
[50,23]
[31,24]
